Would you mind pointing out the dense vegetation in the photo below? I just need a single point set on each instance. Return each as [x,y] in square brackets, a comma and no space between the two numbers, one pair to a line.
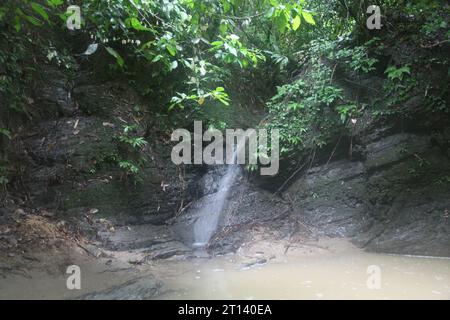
[308,67]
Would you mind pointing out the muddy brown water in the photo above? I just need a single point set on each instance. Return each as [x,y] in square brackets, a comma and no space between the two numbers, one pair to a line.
[333,277]
[263,271]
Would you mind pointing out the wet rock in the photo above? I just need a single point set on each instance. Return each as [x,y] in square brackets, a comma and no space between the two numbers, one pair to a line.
[136,237]
[409,204]
[57,143]
[55,93]
[95,99]
[209,182]
[255,263]
[2,213]
[246,207]
[393,202]
[166,250]
[94,250]
[136,289]
[157,242]
[393,149]
[331,198]
[72,164]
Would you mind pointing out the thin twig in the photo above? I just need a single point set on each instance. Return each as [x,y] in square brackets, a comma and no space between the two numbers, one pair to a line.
[433,45]
[334,149]
[290,178]
[332,73]
[361,85]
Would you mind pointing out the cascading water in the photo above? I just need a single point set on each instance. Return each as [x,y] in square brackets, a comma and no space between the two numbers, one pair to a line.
[210,213]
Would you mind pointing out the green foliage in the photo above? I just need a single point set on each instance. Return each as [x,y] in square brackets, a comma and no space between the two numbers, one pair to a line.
[437,104]
[116,55]
[397,89]
[397,74]
[434,16]
[190,56]
[197,40]
[134,141]
[14,75]
[435,24]
[312,110]
[288,15]
[230,50]
[130,158]
[218,94]
[420,166]
[5,132]
[347,111]
[40,11]
[443,180]
[129,167]
[60,58]
[357,57]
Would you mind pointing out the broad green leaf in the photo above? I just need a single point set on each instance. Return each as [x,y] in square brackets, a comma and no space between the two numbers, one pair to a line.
[270,13]
[296,23]
[224,101]
[157,58]
[226,6]
[223,28]
[30,19]
[40,11]
[282,21]
[137,25]
[55,3]
[5,133]
[217,43]
[116,55]
[172,49]
[17,24]
[33,20]
[308,17]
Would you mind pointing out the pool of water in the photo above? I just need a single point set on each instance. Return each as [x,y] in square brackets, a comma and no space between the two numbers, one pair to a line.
[334,270]
[351,275]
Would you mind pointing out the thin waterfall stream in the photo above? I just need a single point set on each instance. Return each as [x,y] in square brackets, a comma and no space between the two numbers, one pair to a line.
[210,213]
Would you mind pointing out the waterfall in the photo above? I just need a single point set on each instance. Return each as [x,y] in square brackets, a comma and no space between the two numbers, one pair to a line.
[210,213]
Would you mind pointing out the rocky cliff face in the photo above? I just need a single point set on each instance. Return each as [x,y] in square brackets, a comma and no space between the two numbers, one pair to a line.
[71,160]
[395,197]
[397,200]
